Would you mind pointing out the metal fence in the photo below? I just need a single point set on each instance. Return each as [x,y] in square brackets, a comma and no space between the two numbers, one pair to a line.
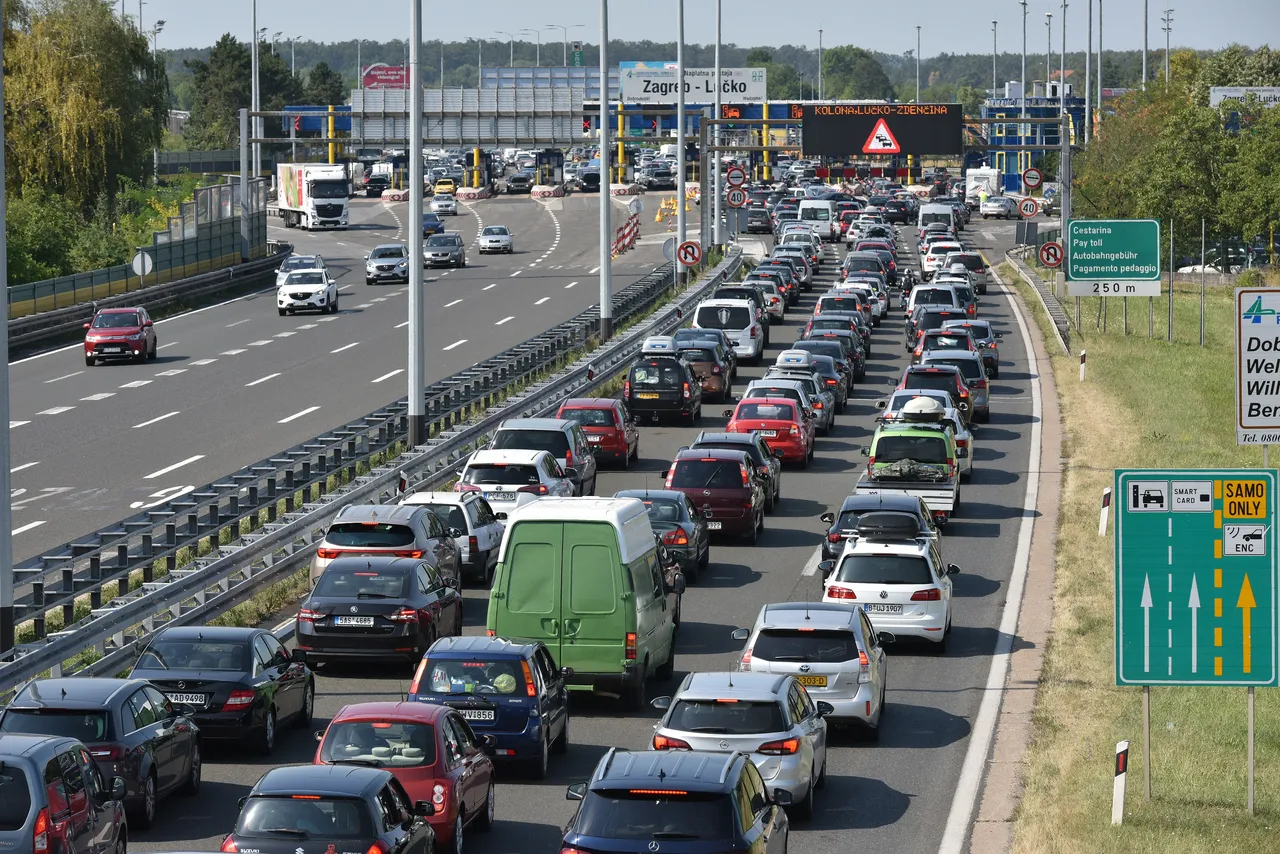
[218,162]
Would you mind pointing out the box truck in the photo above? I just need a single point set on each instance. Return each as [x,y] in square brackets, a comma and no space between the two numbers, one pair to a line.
[313,195]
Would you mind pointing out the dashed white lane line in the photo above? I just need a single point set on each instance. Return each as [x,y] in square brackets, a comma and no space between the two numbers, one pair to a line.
[365,305]
[23,466]
[593,270]
[232,352]
[457,343]
[571,284]
[64,377]
[487,287]
[26,527]
[389,376]
[13,424]
[504,320]
[204,361]
[174,467]
[402,325]
[328,319]
[295,416]
[155,420]
[136,384]
[57,410]
[541,301]
[517,272]
[172,373]
[378,299]
[284,335]
[262,343]
[345,347]
[167,346]
[261,380]
[452,304]
[307,326]
[238,322]
[102,395]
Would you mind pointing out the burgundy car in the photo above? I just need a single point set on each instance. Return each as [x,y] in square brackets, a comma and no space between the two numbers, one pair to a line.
[725,482]
[119,333]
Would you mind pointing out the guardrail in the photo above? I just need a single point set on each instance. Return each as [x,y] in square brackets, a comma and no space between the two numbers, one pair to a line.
[229,573]
[1052,306]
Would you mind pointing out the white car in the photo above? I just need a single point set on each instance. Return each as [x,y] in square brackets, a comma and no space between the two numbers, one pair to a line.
[736,318]
[937,253]
[496,238]
[297,262]
[509,479]
[307,290]
[999,206]
[481,530]
[444,203]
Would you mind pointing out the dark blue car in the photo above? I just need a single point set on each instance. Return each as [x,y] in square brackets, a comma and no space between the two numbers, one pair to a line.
[432,224]
[511,691]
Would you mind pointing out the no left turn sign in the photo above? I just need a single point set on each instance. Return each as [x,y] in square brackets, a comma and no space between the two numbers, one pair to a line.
[736,197]
[1032,178]
[1051,254]
[735,176]
[689,253]
[1028,207]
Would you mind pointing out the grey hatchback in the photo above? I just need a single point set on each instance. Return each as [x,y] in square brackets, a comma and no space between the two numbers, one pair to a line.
[389,530]
[445,250]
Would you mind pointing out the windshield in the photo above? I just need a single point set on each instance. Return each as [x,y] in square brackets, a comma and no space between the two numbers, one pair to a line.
[726,717]
[707,474]
[317,816]
[447,676]
[15,798]
[724,317]
[122,320]
[444,197]
[811,645]
[344,583]
[300,262]
[765,412]
[818,213]
[369,534]
[884,569]
[590,417]
[88,726]
[444,240]
[553,441]
[195,654]
[394,744]
[329,190]
[644,815]
[892,448]
[495,230]
[389,252]
[500,475]
[306,278]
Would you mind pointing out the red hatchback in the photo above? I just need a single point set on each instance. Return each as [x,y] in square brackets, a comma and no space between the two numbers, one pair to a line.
[724,482]
[609,426]
[119,333]
[778,420]
[430,749]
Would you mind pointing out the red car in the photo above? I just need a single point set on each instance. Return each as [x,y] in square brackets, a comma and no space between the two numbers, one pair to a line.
[610,427]
[724,482]
[119,333]
[430,749]
[778,420]
[943,378]
[939,339]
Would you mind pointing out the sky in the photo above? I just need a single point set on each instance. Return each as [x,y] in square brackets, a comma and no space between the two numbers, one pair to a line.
[950,26]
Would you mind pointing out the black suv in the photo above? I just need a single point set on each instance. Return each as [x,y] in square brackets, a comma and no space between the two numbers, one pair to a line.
[710,802]
[520,182]
[768,462]
[375,184]
[663,385]
[843,525]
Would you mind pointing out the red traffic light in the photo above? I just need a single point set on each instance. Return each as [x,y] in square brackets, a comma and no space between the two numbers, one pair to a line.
[586,125]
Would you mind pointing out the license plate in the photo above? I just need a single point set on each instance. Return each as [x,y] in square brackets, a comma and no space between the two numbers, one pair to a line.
[113,349]
[477,714]
[500,496]
[768,433]
[595,438]
[713,526]
[647,395]
[876,608]
[353,621]
[812,681]
[188,699]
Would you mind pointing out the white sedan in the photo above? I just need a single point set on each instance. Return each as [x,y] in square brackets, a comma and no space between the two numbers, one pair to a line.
[496,238]
[443,203]
[307,290]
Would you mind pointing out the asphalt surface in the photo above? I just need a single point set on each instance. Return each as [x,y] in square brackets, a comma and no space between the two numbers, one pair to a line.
[890,795]
[236,383]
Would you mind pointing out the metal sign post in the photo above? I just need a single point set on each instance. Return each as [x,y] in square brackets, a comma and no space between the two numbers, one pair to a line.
[417,356]
[7,625]
[606,227]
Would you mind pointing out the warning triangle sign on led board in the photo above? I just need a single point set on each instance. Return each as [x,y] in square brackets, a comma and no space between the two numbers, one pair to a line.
[881,141]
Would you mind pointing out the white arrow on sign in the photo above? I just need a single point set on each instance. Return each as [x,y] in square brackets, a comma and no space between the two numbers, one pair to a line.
[1194,605]
[1146,623]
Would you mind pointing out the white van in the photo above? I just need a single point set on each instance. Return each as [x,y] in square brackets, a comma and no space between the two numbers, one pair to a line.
[737,319]
[821,216]
[932,213]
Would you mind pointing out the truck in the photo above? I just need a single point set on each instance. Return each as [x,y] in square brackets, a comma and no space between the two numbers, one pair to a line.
[313,195]
[978,179]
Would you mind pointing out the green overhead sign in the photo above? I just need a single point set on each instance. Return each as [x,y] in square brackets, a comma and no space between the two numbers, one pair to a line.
[1195,577]
[1110,257]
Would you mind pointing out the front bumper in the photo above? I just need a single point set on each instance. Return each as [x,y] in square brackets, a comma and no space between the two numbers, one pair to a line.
[736,522]
[114,349]
[442,260]
[318,300]
[451,210]
[396,274]
[495,247]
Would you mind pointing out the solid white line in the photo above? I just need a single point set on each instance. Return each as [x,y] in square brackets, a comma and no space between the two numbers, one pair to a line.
[136,384]
[571,284]
[204,361]
[297,415]
[389,376]
[65,377]
[971,773]
[486,287]
[23,466]
[446,305]
[57,410]
[541,301]
[402,325]
[170,344]
[457,343]
[154,420]
[26,527]
[238,322]
[13,424]
[345,347]
[102,395]
[167,469]
[232,352]
[262,380]
[504,320]
[811,565]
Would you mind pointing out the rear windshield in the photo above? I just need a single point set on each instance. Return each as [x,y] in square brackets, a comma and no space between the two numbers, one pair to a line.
[964,292]
[941,381]
[830,323]
[735,293]
[926,218]
[665,510]
[864,265]
[662,374]
[724,317]
[892,448]
[884,569]
[774,391]
[451,515]
[970,262]
[811,645]
[343,583]
[370,535]
[825,348]
[820,213]
[696,354]
[500,475]
[393,744]
[195,654]
[933,319]
[849,304]
[553,441]
[946,341]
[934,296]
[15,798]
[315,817]
[445,676]
[766,412]
[590,417]
[725,717]
[970,369]
[88,726]
[707,474]
[646,816]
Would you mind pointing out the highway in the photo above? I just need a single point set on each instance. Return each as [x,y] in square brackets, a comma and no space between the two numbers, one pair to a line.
[890,795]
[235,383]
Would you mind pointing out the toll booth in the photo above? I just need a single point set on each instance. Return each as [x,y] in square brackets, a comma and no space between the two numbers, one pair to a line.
[550,166]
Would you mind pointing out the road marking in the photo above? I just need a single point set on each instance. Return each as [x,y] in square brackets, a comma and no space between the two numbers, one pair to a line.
[389,376]
[57,410]
[175,466]
[378,299]
[402,325]
[13,424]
[260,343]
[232,352]
[165,346]
[102,395]
[593,270]
[136,384]
[297,415]
[64,377]
[154,420]
[571,284]
[446,305]
[504,320]
[172,373]
[27,527]
[541,301]
[457,343]
[365,305]
[204,361]
[327,319]
[284,335]
[517,272]
[486,287]
[811,566]
[345,347]
[262,380]
[23,466]
[238,322]
[307,326]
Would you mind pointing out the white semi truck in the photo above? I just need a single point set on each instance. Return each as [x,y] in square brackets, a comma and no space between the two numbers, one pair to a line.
[313,195]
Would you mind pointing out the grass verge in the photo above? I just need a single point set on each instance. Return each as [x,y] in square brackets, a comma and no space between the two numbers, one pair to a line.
[1146,403]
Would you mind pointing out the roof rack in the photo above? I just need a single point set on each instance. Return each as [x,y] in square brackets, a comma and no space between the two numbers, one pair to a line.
[888,526]
[724,772]
[604,766]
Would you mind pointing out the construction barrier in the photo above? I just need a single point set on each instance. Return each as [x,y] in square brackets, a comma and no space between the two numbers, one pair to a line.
[470,193]
[624,189]
[625,236]
[546,191]
[395,195]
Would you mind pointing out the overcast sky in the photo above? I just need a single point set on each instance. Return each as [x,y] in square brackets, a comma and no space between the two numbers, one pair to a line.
[951,26]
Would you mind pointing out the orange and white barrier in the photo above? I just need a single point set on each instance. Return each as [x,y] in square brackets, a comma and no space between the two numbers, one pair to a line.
[546,191]
[625,236]
[624,189]
[395,195]
[471,193]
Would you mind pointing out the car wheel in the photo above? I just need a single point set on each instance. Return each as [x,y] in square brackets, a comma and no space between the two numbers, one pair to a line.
[152,354]
[281,311]
[803,811]
[456,847]
[89,361]
[266,740]
[561,744]
[146,812]
[484,821]
[192,784]
[121,846]
[303,718]
[668,668]
[633,695]
[538,765]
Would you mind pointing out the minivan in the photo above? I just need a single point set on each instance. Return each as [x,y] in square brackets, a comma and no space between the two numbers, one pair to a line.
[820,215]
[582,576]
[737,318]
[934,212]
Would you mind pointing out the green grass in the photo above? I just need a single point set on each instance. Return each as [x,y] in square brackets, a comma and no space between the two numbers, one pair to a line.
[1145,403]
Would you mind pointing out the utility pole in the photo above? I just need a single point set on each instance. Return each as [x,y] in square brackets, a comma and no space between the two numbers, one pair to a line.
[1048,51]
[7,626]
[1146,28]
[1168,28]
[1062,71]
[917,63]
[682,233]
[256,132]
[1022,138]
[994,87]
[293,56]
[606,228]
[1088,76]
[819,62]
[417,298]
[1098,106]
[717,234]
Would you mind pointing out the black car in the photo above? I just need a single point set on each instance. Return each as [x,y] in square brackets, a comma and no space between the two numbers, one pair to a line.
[130,727]
[850,342]
[663,385]
[759,221]
[323,809]
[926,317]
[589,180]
[520,182]
[240,682]
[693,801]
[378,608]
[375,184]
[767,461]
[843,525]
[825,347]
[679,525]
[895,211]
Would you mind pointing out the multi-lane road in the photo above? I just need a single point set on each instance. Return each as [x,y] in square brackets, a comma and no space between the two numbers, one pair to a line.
[235,383]
[891,795]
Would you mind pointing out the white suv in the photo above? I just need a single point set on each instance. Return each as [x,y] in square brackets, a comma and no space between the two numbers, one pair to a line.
[737,319]
[307,290]
[512,478]
[481,529]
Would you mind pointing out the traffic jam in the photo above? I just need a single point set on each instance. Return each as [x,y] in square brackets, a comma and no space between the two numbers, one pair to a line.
[533,598]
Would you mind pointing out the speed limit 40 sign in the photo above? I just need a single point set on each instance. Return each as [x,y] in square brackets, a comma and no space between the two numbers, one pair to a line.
[736,197]
[1028,207]
[1051,254]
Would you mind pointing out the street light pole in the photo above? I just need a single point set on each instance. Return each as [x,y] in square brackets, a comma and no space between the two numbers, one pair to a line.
[565,30]
[681,226]
[994,86]
[819,63]
[1098,106]
[917,63]
[717,232]
[1168,28]
[1062,70]
[1048,51]
[511,44]
[7,626]
[417,298]
[537,56]
[1088,75]
[257,132]
[1022,138]
[293,55]
[606,227]
[1146,27]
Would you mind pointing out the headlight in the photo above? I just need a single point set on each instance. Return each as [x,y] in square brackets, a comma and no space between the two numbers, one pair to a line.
[403,263]
[369,265]
[137,336]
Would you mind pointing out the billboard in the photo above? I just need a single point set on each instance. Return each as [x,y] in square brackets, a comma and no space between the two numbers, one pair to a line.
[655,83]
[383,76]
[1268,95]
[840,130]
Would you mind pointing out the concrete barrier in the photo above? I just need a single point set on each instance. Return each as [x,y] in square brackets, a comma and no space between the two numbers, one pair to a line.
[624,189]
[395,195]
[472,193]
[546,191]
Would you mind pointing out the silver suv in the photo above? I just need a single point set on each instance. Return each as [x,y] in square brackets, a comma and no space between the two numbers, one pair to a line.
[563,439]
[481,529]
[445,249]
[388,262]
[389,530]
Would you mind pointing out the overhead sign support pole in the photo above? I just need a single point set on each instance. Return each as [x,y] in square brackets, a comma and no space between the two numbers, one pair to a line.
[7,624]
[681,118]
[606,195]
[716,161]
[417,299]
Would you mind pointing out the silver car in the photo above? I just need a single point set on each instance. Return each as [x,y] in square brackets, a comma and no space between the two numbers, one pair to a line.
[297,262]
[769,716]
[510,479]
[974,372]
[830,648]
[443,203]
[496,238]
[814,386]
[387,263]
[999,206]
[445,249]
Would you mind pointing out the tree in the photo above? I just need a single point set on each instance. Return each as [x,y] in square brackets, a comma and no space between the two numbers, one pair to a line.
[851,72]
[221,88]
[758,56]
[324,86]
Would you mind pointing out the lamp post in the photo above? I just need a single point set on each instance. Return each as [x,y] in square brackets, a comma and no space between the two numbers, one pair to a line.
[479,58]
[994,86]
[565,29]
[417,298]
[1088,74]
[681,172]
[142,3]
[717,231]
[1062,70]
[253,98]
[1048,50]
[1022,139]
[1099,98]
[1168,28]
[819,61]
[917,63]
[537,56]
[606,227]
[275,37]
[293,55]
[511,45]
[1146,27]
[155,31]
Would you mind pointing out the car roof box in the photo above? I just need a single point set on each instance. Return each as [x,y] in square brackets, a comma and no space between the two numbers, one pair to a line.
[887,525]
[922,410]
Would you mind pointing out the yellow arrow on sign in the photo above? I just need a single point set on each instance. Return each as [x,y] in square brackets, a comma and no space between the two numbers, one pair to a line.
[1246,603]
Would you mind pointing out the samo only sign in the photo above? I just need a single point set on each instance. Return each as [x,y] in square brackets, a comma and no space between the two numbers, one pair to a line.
[1257,313]
[651,85]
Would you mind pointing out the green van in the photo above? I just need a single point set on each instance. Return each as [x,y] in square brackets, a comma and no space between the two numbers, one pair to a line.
[582,576]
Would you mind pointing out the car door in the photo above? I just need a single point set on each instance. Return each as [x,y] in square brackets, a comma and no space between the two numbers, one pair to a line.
[876,655]
[100,809]
[270,675]
[701,536]
[477,767]
[428,602]
[416,837]
[813,723]
[71,815]
[146,739]
[443,546]
[555,697]
[292,677]
[584,458]
[390,821]
[630,431]
[489,532]
[176,738]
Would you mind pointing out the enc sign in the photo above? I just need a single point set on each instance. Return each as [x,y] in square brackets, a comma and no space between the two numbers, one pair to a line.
[1257,318]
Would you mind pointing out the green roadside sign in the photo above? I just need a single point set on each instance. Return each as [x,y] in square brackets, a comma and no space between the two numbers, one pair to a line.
[576,58]
[1107,256]
[1195,577]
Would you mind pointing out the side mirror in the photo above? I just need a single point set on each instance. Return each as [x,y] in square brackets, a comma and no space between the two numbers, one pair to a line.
[962,453]
[881,404]
[570,472]
[707,513]
[866,450]
[148,324]
[118,790]
[886,637]
[575,792]
[661,703]
[489,741]
[808,413]
[424,809]
[782,797]
[728,413]
[566,671]
[740,634]
[999,334]
[298,655]
[829,518]
[825,708]
[319,735]
[952,569]
[679,586]
[455,532]
[85,325]
[185,709]
[239,804]
[826,567]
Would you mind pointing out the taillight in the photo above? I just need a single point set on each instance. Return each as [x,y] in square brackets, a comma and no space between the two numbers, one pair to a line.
[568,458]
[784,747]
[753,332]
[951,464]
[438,792]
[715,369]
[675,538]
[664,742]
[414,553]
[841,593]
[228,846]
[465,487]
[686,391]
[982,383]
[964,392]
[746,475]
[540,489]
[417,676]
[473,546]
[238,701]
[864,667]
[933,594]
[832,382]
[626,389]
[835,537]
[746,658]
[41,837]
[631,646]
[817,404]
[110,753]
[328,554]
[529,687]
[962,443]
[404,615]
[306,615]
[794,431]
[378,847]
